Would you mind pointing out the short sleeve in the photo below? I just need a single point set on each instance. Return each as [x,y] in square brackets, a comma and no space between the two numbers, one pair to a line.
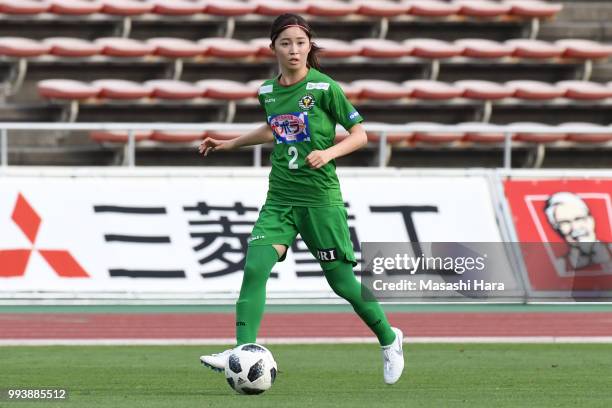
[262,93]
[341,109]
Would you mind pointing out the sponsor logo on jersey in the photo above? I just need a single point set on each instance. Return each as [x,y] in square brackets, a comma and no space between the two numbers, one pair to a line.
[353,115]
[264,89]
[290,127]
[317,85]
[255,238]
[306,102]
[327,255]
[269,100]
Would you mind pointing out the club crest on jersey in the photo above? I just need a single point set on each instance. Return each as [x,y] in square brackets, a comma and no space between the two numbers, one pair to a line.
[290,127]
[306,102]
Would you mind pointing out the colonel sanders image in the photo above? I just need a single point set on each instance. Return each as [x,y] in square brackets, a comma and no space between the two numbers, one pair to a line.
[571,218]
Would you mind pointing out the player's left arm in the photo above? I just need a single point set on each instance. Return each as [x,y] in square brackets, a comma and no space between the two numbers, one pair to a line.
[356,139]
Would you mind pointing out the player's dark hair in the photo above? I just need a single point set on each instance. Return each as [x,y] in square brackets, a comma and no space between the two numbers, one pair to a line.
[287,20]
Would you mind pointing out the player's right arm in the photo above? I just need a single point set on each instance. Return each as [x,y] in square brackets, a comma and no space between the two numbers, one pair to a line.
[262,134]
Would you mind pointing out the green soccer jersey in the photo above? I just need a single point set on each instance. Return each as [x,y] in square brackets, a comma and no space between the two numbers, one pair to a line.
[303,118]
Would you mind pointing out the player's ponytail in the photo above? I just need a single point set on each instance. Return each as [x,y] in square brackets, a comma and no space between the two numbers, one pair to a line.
[293,20]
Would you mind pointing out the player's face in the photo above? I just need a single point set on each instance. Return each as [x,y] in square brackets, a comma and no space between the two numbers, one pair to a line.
[291,48]
[575,223]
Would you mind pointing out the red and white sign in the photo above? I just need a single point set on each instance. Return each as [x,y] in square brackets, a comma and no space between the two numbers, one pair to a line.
[565,230]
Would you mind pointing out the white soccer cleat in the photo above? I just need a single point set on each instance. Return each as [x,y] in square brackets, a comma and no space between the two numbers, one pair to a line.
[216,362]
[393,358]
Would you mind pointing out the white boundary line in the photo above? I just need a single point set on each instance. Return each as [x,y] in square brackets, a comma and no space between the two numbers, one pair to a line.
[304,340]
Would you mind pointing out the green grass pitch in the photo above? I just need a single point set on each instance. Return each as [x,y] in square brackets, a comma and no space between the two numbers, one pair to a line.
[344,375]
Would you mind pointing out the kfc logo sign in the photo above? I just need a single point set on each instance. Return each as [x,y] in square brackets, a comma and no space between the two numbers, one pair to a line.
[14,262]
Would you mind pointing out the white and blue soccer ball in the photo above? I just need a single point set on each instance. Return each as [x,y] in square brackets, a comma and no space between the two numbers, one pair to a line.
[250,369]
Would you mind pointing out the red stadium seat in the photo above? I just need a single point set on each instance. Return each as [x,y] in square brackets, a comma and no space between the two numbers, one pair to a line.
[431,8]
[119,136]
[66,89]
[585,49]
[351,91]
[172,89]
[435,137]
[22,47]
[228,8]
[75,7]
[178,7]
[483,90]
[177,136]
[124,47]
[380,8]
[481,48]
[277,7]
[226,89]
[122,89]
[263,47]
[586,137]
[431,48]
[176,47]
[332,48]
[584,90]
[525,48]
[534,90]
[434,90]
[331,8]
[481,8]
[126,7]
[529,136]
[393,138]
[23,6]
[72,47]
[228,48]
[480,137]
[532,8]
[379,89]
[381,48]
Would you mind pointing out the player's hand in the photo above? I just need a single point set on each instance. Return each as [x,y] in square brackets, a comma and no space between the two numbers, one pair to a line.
[212,145]
[318,158]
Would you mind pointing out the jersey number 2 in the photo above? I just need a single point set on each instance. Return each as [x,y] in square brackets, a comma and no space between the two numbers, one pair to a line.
[293,152]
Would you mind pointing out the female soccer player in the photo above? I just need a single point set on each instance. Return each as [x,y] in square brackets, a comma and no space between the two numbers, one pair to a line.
[302,106]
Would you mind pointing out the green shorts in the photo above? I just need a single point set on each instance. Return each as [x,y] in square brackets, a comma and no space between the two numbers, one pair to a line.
[323,229]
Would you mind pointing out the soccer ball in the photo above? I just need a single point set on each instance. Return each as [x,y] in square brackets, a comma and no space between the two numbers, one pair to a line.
[250,369]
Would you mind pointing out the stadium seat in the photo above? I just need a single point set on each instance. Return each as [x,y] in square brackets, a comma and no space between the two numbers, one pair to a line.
[393,138]
[431,90]
[332,48]
[380,8]
[173,89]
[533,8]
[525,48]
[178,7]
[431,8]
[67,89]
[22,47]
[585,136]
[485,137]
[23,6]
[435,137]
[122,89]
[228,48]
[584,49]
[431,48]
[381,48]
[226,89]
[277,7]
[379,89]
[228,8]
[481,8]
[263,47]
[119,136]
[124,47]
[528,136]
[126,7]
[482,48]
[72,47]
[177,136]
[534,90]
[75,7]
[176,47]
[351,91]
[331,8]
[584,90]
[483,90]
